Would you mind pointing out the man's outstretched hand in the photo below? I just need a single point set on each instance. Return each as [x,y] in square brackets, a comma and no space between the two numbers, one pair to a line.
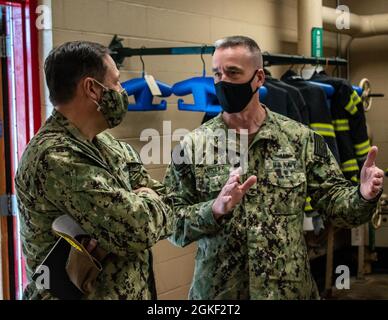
[232,193]
[371,179]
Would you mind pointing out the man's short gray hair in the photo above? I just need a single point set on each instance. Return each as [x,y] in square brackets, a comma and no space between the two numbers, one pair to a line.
[234,41]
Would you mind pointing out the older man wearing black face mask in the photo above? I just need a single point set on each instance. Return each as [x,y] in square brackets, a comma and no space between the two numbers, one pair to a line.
[71,167]
[250,234]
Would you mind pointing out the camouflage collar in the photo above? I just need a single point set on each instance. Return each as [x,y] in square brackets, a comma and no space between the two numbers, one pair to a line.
[269,128]
[83,143]
[64,122]
[102,137]
[267,131]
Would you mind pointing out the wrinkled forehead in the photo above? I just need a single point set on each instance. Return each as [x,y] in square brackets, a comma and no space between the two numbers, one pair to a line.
[236,57]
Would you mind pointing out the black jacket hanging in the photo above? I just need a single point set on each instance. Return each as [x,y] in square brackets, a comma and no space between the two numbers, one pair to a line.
[280,101]
[349,117]
[294,94]
[319,113]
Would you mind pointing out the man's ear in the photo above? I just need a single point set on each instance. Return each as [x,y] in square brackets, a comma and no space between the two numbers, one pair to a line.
[90,89]
[260,76]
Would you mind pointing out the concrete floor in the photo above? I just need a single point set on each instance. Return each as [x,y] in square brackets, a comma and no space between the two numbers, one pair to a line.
[373,287]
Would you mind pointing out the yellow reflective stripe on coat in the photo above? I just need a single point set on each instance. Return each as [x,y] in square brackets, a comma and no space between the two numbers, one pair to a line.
[355,97]
[353,101]
[341,125]
[350,165]
[351,108]
[362,148]
[324,129]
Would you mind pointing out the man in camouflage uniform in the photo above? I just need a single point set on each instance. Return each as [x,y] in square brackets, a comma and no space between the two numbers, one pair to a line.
[72,167]
[255,249]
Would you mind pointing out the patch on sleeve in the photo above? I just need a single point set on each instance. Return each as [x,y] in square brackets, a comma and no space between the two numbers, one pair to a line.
[320,147]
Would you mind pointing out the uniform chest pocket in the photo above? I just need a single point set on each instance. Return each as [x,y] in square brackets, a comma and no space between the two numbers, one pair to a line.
[210,179]
[286,194]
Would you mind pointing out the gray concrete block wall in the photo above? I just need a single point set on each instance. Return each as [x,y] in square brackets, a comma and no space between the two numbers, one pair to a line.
[161,23]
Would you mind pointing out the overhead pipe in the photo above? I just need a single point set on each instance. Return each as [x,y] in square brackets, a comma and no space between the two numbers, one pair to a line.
[311,13]
[361,26]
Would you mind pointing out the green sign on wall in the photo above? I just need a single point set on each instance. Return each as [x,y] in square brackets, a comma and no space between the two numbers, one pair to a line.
[317,42]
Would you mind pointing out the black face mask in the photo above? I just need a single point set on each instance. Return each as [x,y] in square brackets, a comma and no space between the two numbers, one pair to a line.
[234,97]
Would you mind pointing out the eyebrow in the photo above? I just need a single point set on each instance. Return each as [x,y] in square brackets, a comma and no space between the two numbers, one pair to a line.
[231,68]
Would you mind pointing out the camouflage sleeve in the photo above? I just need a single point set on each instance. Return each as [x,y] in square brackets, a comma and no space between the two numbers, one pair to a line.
[122,222]
[334,196]
[194,219]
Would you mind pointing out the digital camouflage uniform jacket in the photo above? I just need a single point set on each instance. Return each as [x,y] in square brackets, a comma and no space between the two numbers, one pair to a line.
[259,251]
[61,172]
